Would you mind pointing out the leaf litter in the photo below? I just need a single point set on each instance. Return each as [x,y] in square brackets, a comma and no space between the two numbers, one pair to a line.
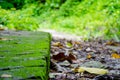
[84,60]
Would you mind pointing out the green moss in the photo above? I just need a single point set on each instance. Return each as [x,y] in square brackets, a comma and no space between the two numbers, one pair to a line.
[25,54]
[27,72]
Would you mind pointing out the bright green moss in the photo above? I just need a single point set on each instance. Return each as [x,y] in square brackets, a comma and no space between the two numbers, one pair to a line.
[25,54]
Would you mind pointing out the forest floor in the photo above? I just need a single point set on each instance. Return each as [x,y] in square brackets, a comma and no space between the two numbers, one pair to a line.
[73,59]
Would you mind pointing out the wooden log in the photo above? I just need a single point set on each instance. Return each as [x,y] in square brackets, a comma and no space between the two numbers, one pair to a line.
[24,55]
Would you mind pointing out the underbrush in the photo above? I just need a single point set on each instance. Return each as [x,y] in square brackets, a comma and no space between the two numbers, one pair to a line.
[90,19]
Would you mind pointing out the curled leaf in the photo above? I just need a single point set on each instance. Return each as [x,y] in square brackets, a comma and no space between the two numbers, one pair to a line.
[62,57]
[91,70]
[59,57]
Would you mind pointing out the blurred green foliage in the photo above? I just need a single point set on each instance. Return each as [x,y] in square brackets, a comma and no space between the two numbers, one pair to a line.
[87,18]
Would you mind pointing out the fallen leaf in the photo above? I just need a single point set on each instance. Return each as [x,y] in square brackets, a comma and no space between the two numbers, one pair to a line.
[59,57]
[91,70]
[62,57]
[71,58]
[57,44]
[112,43]
[115,55]
[6,76]
[89,56]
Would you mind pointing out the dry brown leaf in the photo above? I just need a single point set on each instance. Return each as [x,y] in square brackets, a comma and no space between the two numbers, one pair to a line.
[115,55]
[62,57]
[71,58]
[59,57]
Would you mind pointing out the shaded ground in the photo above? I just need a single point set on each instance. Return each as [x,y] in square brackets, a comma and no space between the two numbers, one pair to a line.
[67,56]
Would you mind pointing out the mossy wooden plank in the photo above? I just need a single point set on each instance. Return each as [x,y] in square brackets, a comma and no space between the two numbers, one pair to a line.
[23,63]
[26,73]
[24,55]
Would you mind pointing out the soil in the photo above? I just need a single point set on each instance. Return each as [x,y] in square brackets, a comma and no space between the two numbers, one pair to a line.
[68,55]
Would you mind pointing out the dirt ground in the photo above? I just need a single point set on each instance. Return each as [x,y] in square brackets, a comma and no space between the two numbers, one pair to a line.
[98,59]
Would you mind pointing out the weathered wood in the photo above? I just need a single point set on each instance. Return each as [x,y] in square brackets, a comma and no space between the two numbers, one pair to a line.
[24,55]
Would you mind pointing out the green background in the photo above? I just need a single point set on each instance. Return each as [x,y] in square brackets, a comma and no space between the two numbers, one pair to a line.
[86,18]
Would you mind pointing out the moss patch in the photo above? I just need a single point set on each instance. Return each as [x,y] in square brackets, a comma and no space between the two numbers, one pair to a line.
[24,55]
